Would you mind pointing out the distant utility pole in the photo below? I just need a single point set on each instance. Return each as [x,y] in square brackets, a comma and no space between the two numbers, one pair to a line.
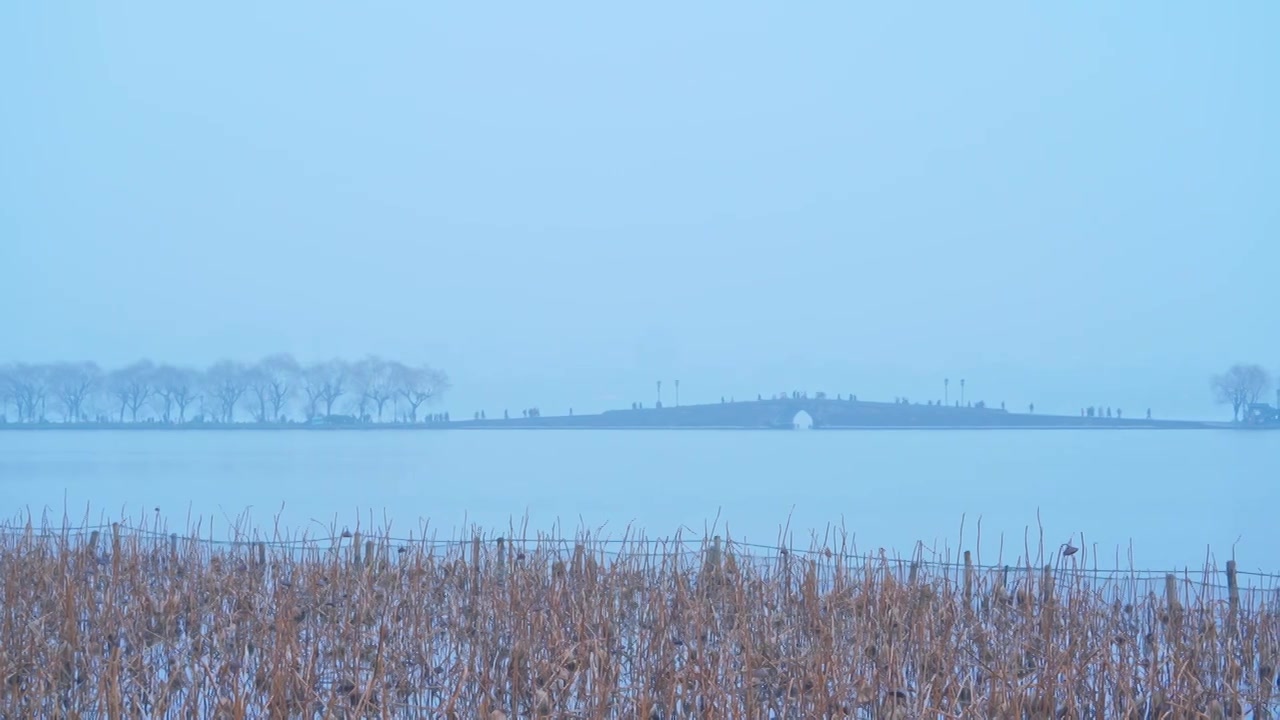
[962,391]
[677,393]
[946,391]
[659,393]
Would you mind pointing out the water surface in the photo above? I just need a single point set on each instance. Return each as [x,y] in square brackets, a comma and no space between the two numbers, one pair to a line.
[1168,495]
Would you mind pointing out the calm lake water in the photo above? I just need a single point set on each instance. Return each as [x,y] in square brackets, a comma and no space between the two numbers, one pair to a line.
[1168,495]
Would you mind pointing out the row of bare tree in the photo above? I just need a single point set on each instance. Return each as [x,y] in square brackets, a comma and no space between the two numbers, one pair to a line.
[1241,386]
[275,389]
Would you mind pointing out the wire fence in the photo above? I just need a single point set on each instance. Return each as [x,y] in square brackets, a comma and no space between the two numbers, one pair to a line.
[548,548]
[516,608]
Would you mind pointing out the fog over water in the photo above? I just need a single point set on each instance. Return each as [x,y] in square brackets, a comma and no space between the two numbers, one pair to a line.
[1167,492]
[562,204]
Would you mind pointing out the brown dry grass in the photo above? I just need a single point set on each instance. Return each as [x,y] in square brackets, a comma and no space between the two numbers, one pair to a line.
[134,625]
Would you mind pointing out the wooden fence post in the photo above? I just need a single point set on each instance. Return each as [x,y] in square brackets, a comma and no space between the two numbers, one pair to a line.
[1174,606]
[968,578]
[115,547]
[579,560]
[1233,594]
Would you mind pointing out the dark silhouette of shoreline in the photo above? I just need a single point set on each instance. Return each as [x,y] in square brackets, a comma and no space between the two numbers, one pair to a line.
[762,414]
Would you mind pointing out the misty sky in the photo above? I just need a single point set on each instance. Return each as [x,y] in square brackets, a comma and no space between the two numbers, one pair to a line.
[560,203]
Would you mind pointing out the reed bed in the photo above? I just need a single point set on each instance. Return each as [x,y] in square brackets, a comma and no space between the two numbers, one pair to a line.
[134,623]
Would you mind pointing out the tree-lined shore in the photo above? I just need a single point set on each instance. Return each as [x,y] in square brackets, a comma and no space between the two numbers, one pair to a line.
[279,390]
[275,389]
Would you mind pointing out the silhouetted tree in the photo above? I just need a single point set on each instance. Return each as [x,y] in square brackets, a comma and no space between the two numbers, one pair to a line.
[274,379]
[370,380]
[1240,386]
[336,374]
[27,387]
[132,386]
[313,381]
[418,385]
[74,384]
[227,381]
[380,385]
[174,387]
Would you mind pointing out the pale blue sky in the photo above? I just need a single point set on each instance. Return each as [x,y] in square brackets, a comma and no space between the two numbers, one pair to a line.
[560,203]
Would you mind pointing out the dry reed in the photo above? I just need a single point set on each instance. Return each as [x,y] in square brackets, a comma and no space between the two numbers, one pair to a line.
[133,623]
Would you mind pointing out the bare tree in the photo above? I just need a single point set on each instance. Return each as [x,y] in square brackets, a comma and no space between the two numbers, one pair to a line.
[175,388]
[1240,386]
[359,376]
[27,387]
[6,391]
[418,385]
[312,380]
[272,382]
[227,382]
[132,386]
[74,383]
[166,392]
[375,382]
[325,383]
[257,389]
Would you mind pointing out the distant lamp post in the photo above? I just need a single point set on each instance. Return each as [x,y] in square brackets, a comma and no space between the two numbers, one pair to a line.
[659,393]
[677,393]
[962,391]
[946,391]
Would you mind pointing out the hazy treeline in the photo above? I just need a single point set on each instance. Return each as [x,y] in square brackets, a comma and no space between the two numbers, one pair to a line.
[274,389]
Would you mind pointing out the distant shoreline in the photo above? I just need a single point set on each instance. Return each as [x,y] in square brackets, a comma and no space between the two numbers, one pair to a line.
[772,414]
[482,425]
